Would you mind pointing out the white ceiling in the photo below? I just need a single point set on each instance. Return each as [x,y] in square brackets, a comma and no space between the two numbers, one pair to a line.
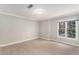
[50,10]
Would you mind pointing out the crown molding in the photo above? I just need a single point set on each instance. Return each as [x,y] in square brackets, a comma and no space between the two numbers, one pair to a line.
[62,16]
[10,14]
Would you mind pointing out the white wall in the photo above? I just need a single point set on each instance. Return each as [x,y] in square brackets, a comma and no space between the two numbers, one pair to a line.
[14,29]
[48,30]
[45,29]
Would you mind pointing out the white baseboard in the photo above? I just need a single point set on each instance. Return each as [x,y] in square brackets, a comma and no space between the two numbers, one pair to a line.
[73,44]
[16,42]
[45,38]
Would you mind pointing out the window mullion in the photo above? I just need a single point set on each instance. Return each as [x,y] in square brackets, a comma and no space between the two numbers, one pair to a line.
[76,29]
[66,29]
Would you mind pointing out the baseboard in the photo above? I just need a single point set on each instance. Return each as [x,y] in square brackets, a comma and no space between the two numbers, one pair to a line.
[11,43]
[45,38]
[73,44]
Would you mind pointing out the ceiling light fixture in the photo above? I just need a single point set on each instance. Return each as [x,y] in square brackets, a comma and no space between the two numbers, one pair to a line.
[39,11]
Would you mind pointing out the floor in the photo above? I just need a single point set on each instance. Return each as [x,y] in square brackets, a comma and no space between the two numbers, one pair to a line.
[39,47]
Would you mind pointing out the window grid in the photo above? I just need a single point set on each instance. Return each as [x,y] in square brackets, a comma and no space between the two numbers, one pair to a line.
[66,29]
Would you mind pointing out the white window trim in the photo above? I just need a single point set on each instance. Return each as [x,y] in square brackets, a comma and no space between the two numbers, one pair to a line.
[72,19]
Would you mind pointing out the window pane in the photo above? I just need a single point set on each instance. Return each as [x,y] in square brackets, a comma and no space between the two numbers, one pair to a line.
[71,29]
[62,28]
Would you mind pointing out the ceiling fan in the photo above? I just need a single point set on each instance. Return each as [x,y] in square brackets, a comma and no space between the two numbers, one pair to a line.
[30,6]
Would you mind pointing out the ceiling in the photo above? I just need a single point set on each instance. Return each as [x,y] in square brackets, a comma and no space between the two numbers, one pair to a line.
[48,10]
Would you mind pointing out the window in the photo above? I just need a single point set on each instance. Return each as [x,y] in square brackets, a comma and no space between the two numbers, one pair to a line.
[71,29]
[62,28]
[67,29]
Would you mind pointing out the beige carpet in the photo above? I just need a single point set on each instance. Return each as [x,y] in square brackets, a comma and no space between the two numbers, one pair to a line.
[39,47]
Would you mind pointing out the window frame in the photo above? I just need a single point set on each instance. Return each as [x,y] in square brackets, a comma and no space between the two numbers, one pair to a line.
[76,31]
